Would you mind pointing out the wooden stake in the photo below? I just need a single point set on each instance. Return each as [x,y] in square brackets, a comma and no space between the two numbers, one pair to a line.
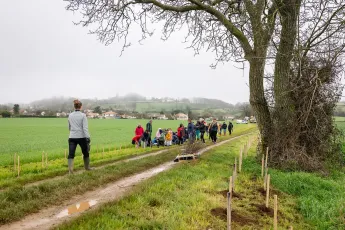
[229,211]
[230,184]
[14,160]
[290,228]
[262,165]
[268,190]
[266,158]
[65,153]
[275,221]
[103,152]
[43,159]
[120,147]
[46,159]
[97,148]
[233,180]
[240,162]
[18,166]
[235,167]
[265,179]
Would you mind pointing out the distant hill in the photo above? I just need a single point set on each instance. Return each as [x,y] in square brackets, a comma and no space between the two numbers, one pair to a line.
[139,104]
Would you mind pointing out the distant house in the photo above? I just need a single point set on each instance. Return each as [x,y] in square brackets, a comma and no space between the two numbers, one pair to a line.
[92,115]
[162,117]
[128,117]
[153,116]
[181,117]
[109,115]
[43,113]
[229,117]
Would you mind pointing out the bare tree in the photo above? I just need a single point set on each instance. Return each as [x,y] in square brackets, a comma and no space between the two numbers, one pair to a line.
[256,31]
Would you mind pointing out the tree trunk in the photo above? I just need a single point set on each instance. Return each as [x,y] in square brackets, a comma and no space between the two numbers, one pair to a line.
[258,101]
[284,115]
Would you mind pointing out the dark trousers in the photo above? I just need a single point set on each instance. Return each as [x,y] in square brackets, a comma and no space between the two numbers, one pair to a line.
[160,143]
[202,137]
[74,142]
[229,131]
[213,135]
[180,140]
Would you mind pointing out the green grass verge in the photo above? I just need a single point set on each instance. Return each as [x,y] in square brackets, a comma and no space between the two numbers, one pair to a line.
[191,196]
[32,172]
[18,202]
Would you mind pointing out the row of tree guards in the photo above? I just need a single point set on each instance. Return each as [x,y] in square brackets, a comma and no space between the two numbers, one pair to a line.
[264,173]
[17,166]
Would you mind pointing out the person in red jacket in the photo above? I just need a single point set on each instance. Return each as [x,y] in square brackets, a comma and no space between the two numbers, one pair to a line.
[139,131]
[180,133]
[136,140]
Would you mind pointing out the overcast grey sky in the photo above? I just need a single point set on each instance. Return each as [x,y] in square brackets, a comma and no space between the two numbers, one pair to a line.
[42,54]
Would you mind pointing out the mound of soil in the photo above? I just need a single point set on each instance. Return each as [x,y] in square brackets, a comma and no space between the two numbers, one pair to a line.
[235,217]
[264,210]
[262,191]
[272,191]
[221,213]
[224,193]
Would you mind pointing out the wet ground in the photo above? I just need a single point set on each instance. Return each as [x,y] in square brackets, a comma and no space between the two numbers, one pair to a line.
[45,219]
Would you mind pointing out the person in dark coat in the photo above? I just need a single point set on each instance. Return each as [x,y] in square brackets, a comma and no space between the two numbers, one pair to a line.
[213,129]
[224,126]
[149,128]
[230,127]
[147,139]
[191,131]
[202,128]
[197,130]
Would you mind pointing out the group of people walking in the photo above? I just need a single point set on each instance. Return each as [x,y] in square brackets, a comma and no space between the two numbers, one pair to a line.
[79,134]
[197,131]
[193,132]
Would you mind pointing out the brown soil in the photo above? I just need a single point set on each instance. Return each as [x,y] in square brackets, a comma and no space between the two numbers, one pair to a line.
[264,210]
[221,213]
[272,191]
[235,217]
[262,191]
[224,193]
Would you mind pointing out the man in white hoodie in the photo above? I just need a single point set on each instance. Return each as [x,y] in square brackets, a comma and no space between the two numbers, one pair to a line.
[78,135]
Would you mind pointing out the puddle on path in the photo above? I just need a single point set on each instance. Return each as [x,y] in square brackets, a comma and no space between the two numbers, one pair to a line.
[80,207]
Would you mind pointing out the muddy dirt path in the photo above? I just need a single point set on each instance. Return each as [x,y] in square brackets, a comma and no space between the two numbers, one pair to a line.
[99,167]
[55,215]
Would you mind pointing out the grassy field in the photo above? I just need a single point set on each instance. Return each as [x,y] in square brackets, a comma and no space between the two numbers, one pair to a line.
[30,136]
[108,133]
[191,196]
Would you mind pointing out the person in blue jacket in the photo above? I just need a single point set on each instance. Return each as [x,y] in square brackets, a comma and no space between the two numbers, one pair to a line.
[191,131]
